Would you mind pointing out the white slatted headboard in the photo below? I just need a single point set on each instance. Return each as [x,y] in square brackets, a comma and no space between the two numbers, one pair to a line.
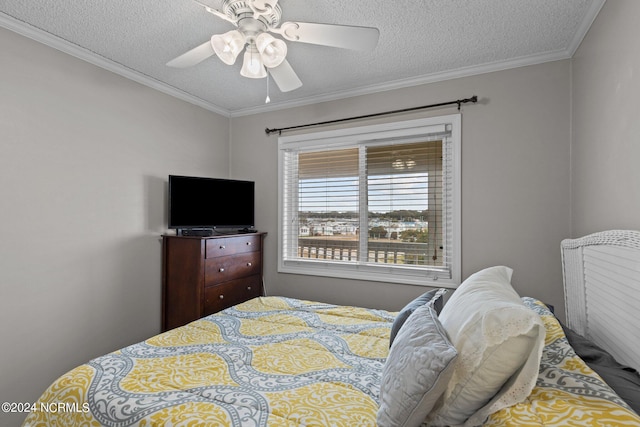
[602,291]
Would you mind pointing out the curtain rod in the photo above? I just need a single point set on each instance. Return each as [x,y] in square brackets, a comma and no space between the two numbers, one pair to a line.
[459,102]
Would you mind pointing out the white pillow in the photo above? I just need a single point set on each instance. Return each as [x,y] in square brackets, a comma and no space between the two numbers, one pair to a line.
[417,370]
[499,342]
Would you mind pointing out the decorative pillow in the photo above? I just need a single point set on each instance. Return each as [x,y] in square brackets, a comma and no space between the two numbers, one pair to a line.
[499,342]
[417,370]
[432,295]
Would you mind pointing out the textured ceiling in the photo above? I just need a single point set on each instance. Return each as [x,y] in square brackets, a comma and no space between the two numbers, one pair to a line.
[420,41]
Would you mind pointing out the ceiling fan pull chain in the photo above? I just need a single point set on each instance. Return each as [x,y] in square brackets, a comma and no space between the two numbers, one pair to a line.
[268,100]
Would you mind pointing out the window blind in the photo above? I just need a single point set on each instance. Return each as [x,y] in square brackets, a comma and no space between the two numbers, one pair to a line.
[361,207]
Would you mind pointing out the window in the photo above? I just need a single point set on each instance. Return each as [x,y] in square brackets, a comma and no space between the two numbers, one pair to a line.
[378,202]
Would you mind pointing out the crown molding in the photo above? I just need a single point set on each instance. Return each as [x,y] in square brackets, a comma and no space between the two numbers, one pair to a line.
[414,81]
[67,47]
[583,29]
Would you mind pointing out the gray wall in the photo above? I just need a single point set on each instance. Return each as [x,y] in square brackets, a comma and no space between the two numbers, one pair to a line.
[515,183]
[606,123]
[84,158]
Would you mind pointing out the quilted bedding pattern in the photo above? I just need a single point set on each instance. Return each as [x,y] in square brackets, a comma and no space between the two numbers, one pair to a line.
[567,392]
[267,362]
[276,361]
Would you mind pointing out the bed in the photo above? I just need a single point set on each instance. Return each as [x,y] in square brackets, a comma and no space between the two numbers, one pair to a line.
[276,361]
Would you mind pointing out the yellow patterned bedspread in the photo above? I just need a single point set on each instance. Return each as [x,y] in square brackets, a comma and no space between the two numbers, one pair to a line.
[282,362]
[267,362]
[567,392]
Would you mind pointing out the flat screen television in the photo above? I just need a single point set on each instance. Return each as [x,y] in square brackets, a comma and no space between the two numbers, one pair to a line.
[210,203]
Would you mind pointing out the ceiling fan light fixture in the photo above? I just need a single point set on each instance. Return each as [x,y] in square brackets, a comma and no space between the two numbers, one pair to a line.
[272,50]
[228,45]
[252,66]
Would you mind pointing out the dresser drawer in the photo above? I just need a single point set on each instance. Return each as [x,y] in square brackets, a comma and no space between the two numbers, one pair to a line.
[223,269]
[234,292]
[231,246]
[203,275]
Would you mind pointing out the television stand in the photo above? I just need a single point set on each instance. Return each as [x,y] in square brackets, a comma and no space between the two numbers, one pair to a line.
[203,275]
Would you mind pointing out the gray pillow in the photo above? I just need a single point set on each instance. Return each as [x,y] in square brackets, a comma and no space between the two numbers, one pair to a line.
[416,373]
[404,314]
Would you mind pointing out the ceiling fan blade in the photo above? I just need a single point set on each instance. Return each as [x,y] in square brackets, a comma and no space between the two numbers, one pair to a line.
[343,36]
[284,76]
[216,13]
[193,56]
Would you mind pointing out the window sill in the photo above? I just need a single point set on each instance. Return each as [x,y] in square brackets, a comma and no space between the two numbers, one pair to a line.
[376,273]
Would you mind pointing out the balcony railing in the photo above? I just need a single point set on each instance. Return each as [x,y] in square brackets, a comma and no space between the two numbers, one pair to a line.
[379,251]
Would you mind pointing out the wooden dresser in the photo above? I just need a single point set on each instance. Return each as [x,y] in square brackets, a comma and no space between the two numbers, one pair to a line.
[203,275]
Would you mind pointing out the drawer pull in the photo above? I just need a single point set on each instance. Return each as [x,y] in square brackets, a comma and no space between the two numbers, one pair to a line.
[248,288]
[248,264]
[222,247]
[248,243]
[221,297]
[221,269]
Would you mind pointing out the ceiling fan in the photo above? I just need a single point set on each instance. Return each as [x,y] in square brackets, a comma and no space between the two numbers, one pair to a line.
[254,20]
